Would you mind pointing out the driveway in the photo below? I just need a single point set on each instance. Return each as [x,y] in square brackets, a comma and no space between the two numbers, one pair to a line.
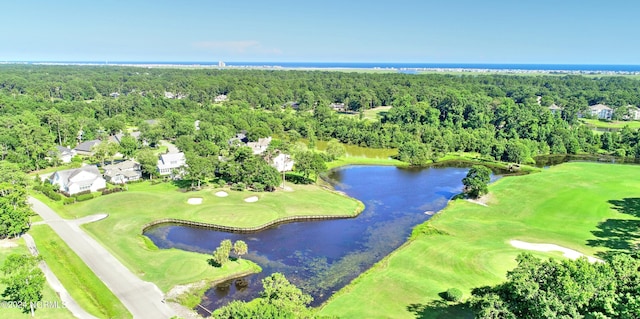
[143,299]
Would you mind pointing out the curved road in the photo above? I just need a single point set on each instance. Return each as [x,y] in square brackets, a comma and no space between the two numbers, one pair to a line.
[143,299]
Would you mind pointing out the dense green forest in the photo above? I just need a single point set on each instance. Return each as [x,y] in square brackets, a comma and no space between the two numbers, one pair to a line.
[497,116]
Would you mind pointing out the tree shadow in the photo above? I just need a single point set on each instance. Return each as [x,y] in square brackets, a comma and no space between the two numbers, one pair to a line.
[213,263]
[440,309]
[619,235]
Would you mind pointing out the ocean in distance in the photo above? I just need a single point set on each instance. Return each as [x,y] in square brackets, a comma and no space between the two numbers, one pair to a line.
[571,68]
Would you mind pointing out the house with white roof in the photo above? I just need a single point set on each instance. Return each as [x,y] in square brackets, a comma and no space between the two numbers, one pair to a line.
[283,162]
[170,162]
[123,172]
[260,146]
[65,154]
[73,181]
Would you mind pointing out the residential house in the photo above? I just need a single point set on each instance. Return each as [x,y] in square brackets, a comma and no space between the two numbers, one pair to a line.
[123,172]
[239,139]
[633,113]
[260,146]
[283,162]
[338,107]
[555,109]
[73,181]
[86,148]
[601,111]
[65,154]
[293,105]
[170,163]
[116,138]
[220,98]
[114,94]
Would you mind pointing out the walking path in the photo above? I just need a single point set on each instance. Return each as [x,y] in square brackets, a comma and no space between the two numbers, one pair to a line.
[53,281]
[143,299]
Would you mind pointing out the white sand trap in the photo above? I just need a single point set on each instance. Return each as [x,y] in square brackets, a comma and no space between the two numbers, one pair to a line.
[194,201]
[569,253]
[251,199]
[222,194]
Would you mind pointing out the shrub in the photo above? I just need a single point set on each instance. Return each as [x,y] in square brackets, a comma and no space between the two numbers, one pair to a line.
[52,195]
[258,187]
[238,186]
[83,197]
[68,200]
[453,294]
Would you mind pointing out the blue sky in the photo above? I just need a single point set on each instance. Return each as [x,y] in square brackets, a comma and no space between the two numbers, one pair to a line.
[453,31]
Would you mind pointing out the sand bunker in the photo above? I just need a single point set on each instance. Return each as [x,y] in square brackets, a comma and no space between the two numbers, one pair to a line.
[569,253]
[194,201]
[222,194]
[251,199]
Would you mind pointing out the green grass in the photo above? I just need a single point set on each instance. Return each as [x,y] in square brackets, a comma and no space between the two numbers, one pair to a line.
[83,285]
[563,205]
[144,203]
[611,124]
[48,294]
[374,114]
[342,161]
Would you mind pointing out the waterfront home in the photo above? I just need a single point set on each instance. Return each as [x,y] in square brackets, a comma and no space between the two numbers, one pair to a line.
[73,181]
[601,111]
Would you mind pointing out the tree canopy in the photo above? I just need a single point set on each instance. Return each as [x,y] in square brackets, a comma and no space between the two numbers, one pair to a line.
[476,181]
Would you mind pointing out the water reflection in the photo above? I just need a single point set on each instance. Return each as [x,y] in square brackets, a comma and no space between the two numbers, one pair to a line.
[321,257]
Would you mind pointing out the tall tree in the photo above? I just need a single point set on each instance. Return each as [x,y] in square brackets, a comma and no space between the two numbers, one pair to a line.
[240,248]
[475,183]
[24,281]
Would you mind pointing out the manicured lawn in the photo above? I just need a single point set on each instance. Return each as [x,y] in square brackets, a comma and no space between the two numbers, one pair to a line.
[48,294]
[129,211]
[563,205]
[613,124]
[83,285]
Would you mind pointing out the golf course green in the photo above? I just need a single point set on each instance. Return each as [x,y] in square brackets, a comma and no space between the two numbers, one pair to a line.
[144,203]
[581,206]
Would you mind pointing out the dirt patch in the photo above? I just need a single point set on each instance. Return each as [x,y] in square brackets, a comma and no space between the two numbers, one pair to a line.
[483,201]
[194,201]
[569,253]
[222,194]
[251,199]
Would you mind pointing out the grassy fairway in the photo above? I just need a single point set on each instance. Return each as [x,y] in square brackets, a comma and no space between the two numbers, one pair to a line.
[120,233]
[562,205]
[48,294]
[83,285]
[613,124]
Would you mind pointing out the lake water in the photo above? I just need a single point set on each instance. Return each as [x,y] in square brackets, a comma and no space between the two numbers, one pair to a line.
[321,257]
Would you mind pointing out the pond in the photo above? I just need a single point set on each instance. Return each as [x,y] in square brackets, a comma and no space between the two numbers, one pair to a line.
[321,257]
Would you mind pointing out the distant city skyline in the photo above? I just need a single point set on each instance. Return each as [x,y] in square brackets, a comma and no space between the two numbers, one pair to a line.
[410,31]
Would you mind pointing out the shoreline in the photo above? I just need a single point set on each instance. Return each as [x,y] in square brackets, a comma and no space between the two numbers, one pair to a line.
[406,68]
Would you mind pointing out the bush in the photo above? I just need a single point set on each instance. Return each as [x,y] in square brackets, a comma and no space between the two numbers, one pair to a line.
[238,186]
[83,197]
[68,200]
[453,294]
[112,190]
[258,187]
[52,194]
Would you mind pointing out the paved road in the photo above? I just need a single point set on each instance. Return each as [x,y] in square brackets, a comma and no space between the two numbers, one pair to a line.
[53,281]
[142,299]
